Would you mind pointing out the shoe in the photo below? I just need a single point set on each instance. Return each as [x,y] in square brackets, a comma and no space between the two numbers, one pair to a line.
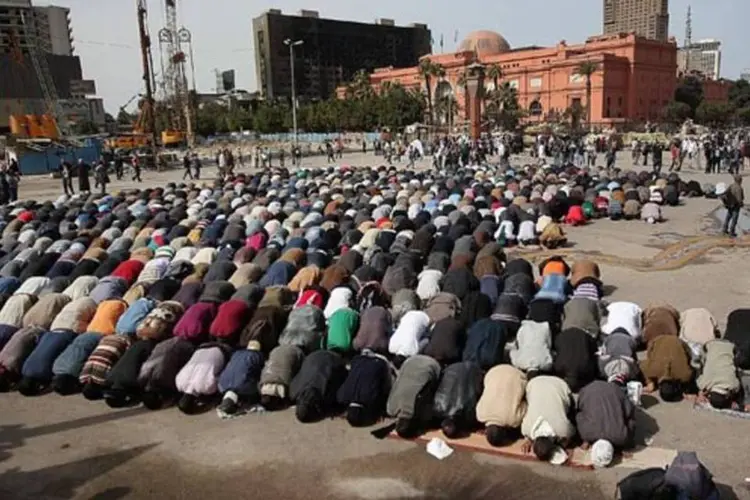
[228,406]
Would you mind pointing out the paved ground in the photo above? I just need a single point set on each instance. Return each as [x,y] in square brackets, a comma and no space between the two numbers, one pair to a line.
[54,447]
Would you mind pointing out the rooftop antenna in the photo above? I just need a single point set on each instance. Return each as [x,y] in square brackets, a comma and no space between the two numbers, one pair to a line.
[688,38]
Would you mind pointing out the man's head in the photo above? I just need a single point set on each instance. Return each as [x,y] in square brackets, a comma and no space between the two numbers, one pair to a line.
[670,391]
[719,401]
[738,179]
[498,436]
[544,448]
[406,428]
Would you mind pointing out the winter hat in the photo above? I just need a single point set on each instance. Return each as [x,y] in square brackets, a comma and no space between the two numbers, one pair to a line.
[601,453]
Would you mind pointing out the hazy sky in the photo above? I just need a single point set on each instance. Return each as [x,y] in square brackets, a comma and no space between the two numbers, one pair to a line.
[106,33]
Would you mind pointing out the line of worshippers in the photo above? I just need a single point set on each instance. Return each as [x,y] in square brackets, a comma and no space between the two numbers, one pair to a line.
[186,294]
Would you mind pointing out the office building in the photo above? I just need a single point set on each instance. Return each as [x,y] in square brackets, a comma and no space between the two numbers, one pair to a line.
[646,18]
[702,57]
[331,52]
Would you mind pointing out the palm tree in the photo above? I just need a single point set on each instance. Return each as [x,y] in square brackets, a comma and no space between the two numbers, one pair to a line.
[426,71]
[360,87]
[587,69]
[495,73]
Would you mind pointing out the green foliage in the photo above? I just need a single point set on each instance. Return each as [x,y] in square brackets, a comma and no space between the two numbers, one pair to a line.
[85,128]
[714,114]
[575,113]
[125,118]
[743,116]
[676,112]
[689,91]
[739,94]
[502,108]
[394,107]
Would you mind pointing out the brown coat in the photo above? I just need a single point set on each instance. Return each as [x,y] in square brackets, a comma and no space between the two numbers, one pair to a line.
[660,320]
[584,269]
[668,358]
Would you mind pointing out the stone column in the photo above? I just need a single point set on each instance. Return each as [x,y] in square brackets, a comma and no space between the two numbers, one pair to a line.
[475,91]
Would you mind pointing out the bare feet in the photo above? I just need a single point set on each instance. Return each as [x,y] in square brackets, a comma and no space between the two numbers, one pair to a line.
[649,388]
[526,446]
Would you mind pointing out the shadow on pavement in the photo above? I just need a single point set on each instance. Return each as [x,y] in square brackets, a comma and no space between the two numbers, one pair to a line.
[61,481]
[13,436]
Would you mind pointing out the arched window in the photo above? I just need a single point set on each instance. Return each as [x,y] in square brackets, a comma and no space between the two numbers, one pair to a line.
[535,108]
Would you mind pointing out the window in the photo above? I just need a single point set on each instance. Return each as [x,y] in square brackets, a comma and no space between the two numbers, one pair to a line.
[535,108]
[535,82]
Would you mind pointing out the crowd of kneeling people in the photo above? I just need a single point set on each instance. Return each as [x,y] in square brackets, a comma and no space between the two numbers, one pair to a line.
[433,338]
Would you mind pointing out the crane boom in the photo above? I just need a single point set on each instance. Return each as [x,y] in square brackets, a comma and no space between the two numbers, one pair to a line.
[148,106]
[47,84]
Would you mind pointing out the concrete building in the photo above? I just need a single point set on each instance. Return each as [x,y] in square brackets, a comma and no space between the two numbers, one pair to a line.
[49,28]
[49,24]
[331,53]
[636,76]
[646,18]
[702,57]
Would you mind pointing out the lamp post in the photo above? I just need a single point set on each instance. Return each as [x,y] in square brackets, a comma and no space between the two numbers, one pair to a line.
[291,44]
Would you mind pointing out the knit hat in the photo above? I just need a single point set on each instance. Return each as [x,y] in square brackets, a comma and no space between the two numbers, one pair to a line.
[601,453]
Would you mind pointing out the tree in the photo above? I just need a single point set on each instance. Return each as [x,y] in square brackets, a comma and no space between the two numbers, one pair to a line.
[675,112]
[716,114]
[587,69]
[495,74]
[689,90]
[575,114]
[360,87]
[739,94]
[85,127]
[743,116]
[125,118]
[428,70]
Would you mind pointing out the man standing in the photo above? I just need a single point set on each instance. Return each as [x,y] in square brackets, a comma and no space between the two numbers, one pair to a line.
[186,167]
[136,169]
[656,154]
[65,174]
[118,167]
[84,186]
[733,200]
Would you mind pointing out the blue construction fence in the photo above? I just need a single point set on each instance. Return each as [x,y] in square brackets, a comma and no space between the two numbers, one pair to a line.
[301,137]
[44,162]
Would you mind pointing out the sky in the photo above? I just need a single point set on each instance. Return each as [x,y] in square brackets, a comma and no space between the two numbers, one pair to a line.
[106,36]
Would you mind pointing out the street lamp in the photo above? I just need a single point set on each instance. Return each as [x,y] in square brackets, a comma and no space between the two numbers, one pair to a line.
[291,44]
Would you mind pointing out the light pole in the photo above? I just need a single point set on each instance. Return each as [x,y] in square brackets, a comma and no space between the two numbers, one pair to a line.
[291,44]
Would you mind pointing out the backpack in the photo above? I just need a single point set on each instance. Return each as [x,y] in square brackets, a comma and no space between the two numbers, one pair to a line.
[646,484]
[691,478]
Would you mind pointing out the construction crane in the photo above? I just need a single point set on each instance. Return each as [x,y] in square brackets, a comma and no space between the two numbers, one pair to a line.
[46,83]
[175,85]
[147,118]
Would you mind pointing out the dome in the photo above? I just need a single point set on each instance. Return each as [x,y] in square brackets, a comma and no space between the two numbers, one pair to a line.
[484,43]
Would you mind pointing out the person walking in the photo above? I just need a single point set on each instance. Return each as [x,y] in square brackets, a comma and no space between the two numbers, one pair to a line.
[186,166]
[84,185]
[100,174]
[733,199]
[136,169]
[196,167]
[66,171]
[118,167]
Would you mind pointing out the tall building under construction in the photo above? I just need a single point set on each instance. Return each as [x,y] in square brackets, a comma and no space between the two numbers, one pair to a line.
[330,53]
[47,31]
[646,18]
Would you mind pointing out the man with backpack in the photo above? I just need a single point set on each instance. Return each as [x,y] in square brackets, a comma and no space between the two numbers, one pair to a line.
[733,199]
